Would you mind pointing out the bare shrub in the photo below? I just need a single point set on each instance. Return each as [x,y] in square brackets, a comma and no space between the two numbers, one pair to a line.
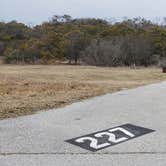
[119,51]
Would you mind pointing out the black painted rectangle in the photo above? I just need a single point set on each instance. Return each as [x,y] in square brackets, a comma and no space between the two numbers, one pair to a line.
[106,138]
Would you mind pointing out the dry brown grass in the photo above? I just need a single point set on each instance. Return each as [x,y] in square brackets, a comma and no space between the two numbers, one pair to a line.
[27,89]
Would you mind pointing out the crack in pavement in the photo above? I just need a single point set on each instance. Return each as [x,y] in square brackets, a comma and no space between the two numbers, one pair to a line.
[86,153]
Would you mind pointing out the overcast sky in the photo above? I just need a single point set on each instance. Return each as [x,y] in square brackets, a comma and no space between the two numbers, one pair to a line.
[37,11]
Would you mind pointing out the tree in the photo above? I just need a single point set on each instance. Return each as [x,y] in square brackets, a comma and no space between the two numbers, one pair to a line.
[76,43]
[119,51]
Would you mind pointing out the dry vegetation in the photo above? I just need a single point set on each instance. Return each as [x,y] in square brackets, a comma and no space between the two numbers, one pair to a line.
[27,89]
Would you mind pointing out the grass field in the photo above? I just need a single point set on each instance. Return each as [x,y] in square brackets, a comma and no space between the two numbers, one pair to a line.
[27,89]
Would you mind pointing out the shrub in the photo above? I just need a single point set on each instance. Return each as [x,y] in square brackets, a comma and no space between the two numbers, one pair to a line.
[120,51]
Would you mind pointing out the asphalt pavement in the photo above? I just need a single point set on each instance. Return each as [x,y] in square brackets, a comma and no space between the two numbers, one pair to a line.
[127,128]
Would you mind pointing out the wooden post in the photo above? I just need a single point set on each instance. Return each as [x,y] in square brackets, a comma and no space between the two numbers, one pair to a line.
[164,69]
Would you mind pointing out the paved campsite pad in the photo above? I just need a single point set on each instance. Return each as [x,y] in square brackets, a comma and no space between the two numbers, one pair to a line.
[39,140]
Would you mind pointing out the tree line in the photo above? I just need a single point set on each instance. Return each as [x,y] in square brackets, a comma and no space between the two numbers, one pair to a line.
[88,41]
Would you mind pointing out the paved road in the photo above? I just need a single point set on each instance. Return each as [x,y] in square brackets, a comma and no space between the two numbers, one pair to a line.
[39,140]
